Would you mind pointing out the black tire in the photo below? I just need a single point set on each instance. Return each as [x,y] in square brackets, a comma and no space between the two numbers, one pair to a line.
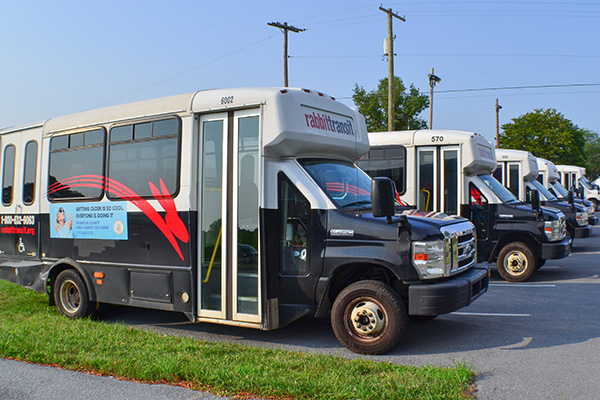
[516,262]
[368,317]
[71,295]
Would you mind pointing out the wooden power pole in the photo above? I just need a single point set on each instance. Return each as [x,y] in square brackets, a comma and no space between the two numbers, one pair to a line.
[285,27]
[390,49]
[498,108]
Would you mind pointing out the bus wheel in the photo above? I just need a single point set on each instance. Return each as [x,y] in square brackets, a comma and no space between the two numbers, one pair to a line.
[71,295]
[368,317]
[516,262]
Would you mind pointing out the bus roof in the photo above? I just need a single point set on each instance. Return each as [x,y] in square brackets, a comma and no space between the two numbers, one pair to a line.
[549,168]
[528,162]
[300,121]
[477,155]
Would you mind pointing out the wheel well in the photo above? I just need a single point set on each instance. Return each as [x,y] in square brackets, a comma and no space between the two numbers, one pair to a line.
[528,240]
[63,266]
[351,273]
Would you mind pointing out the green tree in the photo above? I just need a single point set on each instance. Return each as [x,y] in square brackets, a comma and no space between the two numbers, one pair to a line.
[591,150]
[547,134]
[407,106]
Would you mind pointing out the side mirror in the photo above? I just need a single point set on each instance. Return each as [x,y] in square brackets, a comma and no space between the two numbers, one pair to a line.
[383,192]
[570,197]
[535,199]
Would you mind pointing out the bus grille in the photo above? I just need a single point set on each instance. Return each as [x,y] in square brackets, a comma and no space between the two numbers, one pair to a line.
[463,246]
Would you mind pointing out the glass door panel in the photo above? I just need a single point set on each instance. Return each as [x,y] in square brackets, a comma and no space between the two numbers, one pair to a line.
[212,218]
[246,261]
[426,179]
[450,181]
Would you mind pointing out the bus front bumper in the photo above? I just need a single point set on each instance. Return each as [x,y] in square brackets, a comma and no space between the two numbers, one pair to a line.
[448,296]
[583,231]
[554,250]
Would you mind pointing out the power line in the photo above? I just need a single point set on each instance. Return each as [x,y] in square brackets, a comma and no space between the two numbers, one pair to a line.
[182,73]
[519,87]
[461,55]
[508,88]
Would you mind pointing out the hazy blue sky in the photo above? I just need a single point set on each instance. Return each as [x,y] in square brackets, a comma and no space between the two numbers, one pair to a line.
[62,57]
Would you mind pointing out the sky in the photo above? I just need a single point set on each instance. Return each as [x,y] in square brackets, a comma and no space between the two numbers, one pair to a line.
[63,57]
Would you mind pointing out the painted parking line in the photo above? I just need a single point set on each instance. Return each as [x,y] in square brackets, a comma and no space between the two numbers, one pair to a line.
[542,285]
[491,314]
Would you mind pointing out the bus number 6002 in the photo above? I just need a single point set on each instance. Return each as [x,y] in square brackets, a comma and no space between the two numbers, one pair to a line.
[227,100]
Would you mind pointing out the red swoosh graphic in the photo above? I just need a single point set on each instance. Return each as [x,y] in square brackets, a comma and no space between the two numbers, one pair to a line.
[172,226]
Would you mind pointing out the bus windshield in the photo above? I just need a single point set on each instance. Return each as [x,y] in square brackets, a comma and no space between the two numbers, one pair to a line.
[503,193]
[583,180]
[345,184]
[543,190]
[560,188]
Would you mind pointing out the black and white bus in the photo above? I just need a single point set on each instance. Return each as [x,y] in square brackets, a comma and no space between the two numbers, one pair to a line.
[235,206]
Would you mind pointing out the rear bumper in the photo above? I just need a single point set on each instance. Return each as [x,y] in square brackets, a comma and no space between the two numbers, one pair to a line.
[554,250]
[29,274]
[450,295]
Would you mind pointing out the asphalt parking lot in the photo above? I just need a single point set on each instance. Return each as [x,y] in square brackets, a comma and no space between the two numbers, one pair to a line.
[534,340]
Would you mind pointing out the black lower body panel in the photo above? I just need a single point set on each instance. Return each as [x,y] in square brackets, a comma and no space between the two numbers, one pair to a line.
[448,296]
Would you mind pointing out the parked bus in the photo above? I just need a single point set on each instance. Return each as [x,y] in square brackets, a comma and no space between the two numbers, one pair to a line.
[549,177]
[518,171]
[451,172]
[573,177]
[234,206]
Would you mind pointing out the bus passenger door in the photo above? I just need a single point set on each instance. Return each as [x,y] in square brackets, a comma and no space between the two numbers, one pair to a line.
[228,216]
[438,179]
[19,208]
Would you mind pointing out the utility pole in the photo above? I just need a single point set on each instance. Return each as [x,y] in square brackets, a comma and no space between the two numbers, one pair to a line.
[390,14]
[433,80]
[498,108]
[285,27]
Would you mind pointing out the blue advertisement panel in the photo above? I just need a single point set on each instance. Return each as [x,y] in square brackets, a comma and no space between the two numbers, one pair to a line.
[89,220]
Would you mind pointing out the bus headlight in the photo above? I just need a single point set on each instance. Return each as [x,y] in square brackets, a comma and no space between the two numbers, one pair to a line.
[582,218]
[432,259]
[553,231]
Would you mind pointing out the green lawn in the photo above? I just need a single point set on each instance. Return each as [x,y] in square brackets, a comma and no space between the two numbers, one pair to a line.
[32,331]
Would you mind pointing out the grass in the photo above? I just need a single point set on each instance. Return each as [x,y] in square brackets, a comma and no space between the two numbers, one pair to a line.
[32,331]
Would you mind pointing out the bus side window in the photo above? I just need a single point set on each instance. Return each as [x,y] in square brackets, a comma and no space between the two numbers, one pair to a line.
[294,212]
[479,211]
[72,157]
[144,153]
[29,173]
[476,197]
[8,175]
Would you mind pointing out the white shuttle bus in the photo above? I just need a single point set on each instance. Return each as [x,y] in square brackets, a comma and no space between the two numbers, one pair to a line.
[233,206]
[573,177]
[549,177]
[518,171]
[451,172]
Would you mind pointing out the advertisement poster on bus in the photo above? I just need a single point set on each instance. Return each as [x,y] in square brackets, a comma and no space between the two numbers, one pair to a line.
[99,220]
